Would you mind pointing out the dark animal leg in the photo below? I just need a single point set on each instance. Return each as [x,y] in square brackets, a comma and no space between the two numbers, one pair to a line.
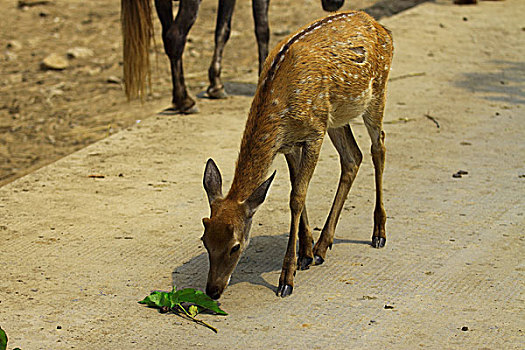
[332,5]
[222,34]
[309,157]
[350,158]
[262,31]
[174,34]
[373,122]
[305,257]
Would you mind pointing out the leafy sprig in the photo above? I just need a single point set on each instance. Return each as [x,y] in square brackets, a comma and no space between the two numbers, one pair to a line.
[175,299]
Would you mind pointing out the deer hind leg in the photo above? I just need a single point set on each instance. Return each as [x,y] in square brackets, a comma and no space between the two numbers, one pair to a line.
[222,34]
[262,30]
[350,158]
[305,258]
[309,157]
[373,119]
[174,34]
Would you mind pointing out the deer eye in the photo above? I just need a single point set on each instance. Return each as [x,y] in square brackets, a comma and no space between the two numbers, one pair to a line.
[235,248]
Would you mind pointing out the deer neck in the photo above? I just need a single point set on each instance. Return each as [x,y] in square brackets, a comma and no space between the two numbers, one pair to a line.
[259,146]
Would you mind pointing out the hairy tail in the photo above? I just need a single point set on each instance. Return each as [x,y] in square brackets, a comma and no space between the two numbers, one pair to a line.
[137,33]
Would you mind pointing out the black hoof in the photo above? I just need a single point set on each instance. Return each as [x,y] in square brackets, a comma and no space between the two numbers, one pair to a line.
[304,263]
[318,260]
[378,242]
[284,291]
[174,111]
[216,93]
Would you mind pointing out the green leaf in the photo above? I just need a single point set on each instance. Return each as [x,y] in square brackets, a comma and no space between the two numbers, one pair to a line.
[197,297]
[157,299]
[187,295]
[3,339]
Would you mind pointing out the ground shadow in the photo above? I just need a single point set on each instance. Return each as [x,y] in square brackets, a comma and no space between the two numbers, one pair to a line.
[264,254]
[234,88]
[240,89]
[387,8]
[505,83]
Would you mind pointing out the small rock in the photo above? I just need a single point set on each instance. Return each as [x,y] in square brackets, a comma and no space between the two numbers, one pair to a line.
[79,52]
[464,328]
[194,53]
[55,62]
[14,45]
[10,56]
[15,78]
[460,173]
[113,80]
[281,32]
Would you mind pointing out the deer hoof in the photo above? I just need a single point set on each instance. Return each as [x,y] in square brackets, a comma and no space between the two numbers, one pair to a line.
[284,290]
[304,262]
[378,242]
[216,93]
[174,111]
[318,260]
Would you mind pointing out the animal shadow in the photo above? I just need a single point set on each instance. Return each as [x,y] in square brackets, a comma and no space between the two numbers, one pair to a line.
[263,255]
[233,88]
[503,84]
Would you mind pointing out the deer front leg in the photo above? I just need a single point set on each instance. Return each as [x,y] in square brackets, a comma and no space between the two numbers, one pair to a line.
[222,34]
[309,157]
[305,259]
[174,34]
[350,158]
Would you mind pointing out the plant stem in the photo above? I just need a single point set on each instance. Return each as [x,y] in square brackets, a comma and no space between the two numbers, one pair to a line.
[197,320]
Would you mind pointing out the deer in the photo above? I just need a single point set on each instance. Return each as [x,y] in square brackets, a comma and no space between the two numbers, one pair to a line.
[313,83]
[137,31]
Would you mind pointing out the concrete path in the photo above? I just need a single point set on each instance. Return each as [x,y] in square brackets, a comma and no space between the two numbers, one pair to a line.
[78,252]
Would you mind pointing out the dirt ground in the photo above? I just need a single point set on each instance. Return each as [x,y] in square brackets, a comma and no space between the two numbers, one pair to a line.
[47,114]
[77,252]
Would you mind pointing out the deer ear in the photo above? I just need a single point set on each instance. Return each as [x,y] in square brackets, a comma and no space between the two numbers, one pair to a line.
[212,181]
[258,196]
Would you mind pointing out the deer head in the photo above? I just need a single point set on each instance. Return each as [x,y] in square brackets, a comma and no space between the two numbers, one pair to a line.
[227,230]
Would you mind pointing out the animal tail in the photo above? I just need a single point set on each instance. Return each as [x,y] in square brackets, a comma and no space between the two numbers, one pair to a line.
[137,33]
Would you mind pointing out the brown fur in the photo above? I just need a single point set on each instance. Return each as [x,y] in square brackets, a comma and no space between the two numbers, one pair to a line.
[137,33]
[314,82]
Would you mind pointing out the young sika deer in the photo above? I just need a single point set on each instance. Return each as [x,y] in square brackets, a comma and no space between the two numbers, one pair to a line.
[313,82]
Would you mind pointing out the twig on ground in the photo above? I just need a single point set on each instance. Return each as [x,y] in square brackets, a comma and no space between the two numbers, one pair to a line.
[201,322]
[31,3]
[433,119]
[409,75]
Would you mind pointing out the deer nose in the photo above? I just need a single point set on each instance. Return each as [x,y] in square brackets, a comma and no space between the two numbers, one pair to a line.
[332,5]
[213,292]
